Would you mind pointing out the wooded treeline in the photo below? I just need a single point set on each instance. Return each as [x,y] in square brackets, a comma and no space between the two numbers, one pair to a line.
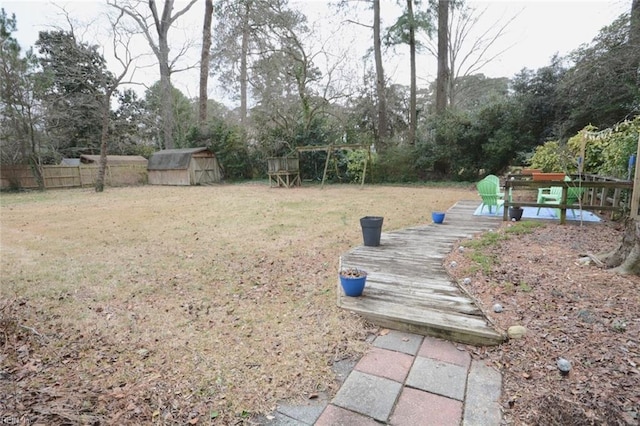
[59,98]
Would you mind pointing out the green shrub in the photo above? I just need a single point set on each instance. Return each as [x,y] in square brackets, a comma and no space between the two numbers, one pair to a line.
[395,165]
[356,160]
[553,157]
[225,141]
[607,152]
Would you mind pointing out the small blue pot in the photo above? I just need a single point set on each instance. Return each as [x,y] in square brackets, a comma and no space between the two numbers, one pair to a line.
[353,287]
[437,217]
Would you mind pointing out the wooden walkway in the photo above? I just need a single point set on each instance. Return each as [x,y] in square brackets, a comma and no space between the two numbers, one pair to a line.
[408,288]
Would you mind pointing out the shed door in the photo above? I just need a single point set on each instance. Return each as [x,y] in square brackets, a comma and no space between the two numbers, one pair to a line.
[205,170]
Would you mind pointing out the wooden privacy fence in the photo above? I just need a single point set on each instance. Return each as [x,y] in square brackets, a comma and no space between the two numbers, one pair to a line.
[22,176]
[603,195]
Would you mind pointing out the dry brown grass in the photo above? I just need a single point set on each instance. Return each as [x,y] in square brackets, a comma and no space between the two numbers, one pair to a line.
[166,305]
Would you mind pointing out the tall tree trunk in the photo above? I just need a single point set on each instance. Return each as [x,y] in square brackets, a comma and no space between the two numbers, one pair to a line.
[166,105]
[163,23]
[244,79]
[34,158]
[413,113]
[451,90]
[442,82]
[380,89]
[165,82]
[104,135]
[204,63]
[160,49]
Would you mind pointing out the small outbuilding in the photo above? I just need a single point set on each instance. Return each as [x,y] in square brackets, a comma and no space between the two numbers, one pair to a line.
[114,160]
[186,166]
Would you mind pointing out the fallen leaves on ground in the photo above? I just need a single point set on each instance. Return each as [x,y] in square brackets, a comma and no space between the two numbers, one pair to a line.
[179,305]
[571,310]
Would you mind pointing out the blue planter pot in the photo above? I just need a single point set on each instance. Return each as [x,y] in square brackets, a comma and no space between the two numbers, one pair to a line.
[353,286]
[437,217]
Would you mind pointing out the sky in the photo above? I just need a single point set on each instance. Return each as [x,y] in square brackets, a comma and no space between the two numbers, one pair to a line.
[540,29]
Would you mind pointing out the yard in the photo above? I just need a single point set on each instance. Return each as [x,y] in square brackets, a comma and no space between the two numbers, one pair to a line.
[199,305]
[171,305]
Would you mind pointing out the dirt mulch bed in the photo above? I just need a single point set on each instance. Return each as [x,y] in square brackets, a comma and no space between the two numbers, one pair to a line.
[571,310]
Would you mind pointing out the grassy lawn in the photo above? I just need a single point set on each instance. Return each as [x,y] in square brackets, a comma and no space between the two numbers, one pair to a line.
[168,304]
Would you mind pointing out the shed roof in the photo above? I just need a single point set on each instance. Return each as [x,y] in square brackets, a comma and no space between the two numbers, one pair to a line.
[173,159]
[70,162]
[114,159]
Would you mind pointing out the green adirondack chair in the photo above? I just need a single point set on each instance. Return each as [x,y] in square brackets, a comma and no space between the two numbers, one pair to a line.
[490,194]
[496,181]
[553,195]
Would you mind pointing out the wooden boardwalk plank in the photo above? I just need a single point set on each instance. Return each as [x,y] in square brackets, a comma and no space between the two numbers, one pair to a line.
[408,287]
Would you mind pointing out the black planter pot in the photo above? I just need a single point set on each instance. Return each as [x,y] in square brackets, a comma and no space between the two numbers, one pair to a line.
[371,230]
[515,213]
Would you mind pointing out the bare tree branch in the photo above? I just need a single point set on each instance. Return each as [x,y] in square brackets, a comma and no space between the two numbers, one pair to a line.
[161,49]
[142,24]
[351,21]
[181,12]
[477,53]
[468,53]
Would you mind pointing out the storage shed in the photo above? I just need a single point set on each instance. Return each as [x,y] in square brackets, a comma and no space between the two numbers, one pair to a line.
[186,166]
[114,160]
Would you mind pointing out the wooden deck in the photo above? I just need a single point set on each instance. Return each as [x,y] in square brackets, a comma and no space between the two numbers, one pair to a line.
[408,288]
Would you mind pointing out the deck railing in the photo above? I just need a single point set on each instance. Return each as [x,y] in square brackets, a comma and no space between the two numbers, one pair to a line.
[603,195]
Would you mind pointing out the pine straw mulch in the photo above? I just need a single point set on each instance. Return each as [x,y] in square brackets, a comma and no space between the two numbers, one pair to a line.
[570,309]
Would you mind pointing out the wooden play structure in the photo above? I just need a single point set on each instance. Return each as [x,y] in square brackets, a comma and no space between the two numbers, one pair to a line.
[285,171]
